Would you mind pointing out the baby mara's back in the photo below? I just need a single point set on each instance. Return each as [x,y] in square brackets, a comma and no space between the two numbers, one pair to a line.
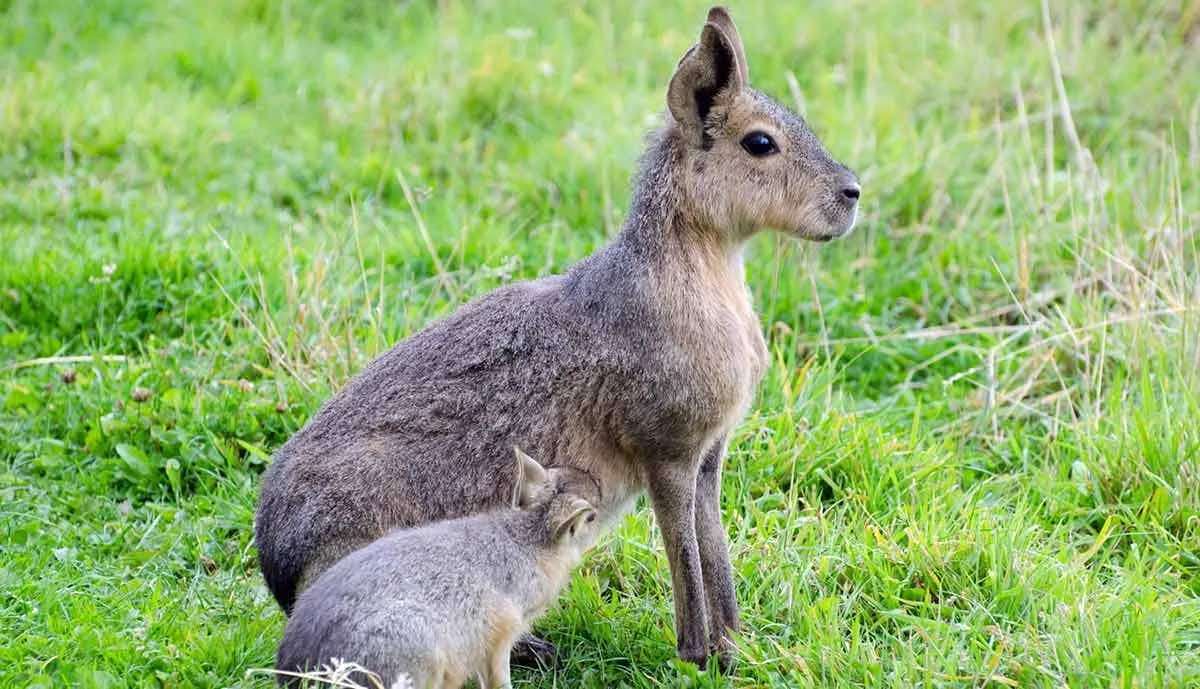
[442,603]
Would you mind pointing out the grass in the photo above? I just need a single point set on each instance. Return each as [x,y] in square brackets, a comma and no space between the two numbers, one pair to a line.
[975,461]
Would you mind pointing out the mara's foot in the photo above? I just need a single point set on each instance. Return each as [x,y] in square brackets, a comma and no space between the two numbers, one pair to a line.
[725,651]
[533,651]
[696,655]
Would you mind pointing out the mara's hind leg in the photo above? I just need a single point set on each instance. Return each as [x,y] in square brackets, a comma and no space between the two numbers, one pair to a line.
[410,665]
[430,673]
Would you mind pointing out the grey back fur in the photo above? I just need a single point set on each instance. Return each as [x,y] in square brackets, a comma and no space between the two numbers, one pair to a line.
[633,366]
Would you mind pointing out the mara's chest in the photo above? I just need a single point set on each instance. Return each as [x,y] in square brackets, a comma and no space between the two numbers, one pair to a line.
[712,356]
[727,350]
[685,367]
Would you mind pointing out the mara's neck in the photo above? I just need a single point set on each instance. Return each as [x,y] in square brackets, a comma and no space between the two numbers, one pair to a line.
[664,231]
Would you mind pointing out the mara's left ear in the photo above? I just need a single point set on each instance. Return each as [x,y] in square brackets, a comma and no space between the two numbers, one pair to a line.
[531,478]
[568,522]
[712,70]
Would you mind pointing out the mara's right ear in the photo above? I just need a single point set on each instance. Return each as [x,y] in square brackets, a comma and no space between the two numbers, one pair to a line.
[713,69]
[531,478]
[568,522]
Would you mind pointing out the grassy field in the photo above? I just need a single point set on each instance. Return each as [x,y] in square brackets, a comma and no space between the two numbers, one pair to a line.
[975,461]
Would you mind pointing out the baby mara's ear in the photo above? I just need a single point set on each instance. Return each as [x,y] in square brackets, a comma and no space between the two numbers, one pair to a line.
[567,522]
[531,479]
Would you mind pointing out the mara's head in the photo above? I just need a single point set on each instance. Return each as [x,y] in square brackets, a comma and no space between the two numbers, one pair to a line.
[746,162]
[564,497]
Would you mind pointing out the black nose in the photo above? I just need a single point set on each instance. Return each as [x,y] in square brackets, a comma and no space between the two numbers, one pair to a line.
[852,192]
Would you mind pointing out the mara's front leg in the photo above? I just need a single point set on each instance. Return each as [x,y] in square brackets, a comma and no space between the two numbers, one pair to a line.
[496,674]
[504,625]
[720,598]
[672,489]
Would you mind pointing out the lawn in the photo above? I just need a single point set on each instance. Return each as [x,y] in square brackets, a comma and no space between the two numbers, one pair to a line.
[975,461]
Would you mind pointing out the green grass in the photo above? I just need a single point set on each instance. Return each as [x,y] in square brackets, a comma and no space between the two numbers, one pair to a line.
[975,461]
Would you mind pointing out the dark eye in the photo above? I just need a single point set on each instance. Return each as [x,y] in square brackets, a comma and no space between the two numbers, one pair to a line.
[759,144]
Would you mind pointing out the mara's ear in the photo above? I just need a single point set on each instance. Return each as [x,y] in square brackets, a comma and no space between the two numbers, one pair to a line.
[566,523]
[720,17]
[531,478]
[713,69]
